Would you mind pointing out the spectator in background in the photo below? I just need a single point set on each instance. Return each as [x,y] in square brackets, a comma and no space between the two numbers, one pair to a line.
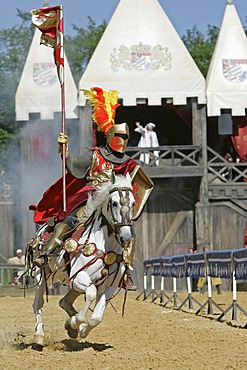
[19,259]
[232,157]
[148,139]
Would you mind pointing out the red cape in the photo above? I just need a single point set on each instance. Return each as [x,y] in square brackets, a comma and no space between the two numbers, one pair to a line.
[51,204]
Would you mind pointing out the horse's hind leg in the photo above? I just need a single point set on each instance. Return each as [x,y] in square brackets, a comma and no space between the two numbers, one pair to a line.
[38,304]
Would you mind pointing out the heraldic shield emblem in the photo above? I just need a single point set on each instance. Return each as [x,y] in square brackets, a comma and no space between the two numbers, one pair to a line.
[141,57]
[142,188]
[44,74]
[235,70]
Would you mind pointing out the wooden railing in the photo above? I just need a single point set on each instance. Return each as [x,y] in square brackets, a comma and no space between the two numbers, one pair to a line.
[222,171]
[186,160]
[180,155]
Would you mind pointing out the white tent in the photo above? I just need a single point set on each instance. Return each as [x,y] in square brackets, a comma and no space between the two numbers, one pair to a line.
[39,89]
[226,84]
[141,55]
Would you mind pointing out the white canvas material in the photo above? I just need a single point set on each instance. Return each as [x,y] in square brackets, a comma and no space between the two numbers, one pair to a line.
[142,56]
[226,83]
[39,89]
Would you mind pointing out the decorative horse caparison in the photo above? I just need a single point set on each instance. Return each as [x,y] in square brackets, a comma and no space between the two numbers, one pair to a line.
[97,264]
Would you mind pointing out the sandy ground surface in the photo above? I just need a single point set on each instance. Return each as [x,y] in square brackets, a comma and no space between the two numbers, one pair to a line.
[149,336]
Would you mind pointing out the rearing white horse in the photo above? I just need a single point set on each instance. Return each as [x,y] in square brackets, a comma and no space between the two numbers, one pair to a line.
[97,263]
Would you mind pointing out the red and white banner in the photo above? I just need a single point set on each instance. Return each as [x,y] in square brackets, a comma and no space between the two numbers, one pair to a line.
[50,22]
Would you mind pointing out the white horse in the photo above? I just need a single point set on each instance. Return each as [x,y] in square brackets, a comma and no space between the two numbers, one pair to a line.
[97,263]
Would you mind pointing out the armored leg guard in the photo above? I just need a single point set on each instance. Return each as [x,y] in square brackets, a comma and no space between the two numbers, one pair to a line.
[59,231]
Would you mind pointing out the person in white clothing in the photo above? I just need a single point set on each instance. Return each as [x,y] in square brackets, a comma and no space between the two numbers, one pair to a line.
[148,139]
[19,259]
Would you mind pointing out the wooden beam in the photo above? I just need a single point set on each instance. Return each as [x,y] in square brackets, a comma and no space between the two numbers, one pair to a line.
[169,171]
[172,232]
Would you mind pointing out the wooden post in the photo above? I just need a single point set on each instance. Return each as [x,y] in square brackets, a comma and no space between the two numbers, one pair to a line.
[202,214]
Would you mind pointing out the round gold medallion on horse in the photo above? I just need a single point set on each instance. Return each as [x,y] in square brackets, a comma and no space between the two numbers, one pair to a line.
[89,249]
[124,200]
[125,209]
[70,245]
[104,272]
[110,258]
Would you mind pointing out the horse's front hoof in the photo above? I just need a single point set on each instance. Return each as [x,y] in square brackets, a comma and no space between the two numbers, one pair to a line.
[82,330]
[72,333]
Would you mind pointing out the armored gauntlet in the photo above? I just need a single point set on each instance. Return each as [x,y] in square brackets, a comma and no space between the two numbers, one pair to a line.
[62,139]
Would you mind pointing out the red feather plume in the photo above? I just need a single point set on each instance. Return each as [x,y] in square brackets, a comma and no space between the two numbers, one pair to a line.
[105,104]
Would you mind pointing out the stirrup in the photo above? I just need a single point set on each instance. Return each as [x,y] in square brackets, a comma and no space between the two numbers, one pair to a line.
[41,261]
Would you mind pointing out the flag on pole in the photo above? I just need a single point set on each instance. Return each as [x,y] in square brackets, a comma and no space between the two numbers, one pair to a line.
[50,22]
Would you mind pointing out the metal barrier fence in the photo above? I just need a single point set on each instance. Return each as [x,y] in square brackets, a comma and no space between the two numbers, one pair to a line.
[228,264]
[11,274]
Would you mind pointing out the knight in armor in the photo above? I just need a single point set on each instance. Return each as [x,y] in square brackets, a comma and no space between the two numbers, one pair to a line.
[88,172]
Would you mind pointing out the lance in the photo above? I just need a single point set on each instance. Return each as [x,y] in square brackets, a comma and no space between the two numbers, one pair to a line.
[59,60]
[49,20]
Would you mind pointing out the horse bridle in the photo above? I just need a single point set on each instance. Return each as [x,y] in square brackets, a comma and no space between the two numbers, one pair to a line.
[125,208]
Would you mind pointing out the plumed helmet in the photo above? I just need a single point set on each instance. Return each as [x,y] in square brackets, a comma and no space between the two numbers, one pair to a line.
[104,105]
[117,137]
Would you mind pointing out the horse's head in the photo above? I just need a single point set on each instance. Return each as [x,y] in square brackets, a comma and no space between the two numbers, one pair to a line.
[120,208]
[117,204]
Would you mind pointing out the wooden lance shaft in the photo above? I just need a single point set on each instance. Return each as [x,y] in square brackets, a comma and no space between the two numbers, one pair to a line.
[64,146]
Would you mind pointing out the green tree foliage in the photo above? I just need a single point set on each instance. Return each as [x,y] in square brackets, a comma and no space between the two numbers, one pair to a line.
[14,44]
[80,48]
[201,47]
[5,138]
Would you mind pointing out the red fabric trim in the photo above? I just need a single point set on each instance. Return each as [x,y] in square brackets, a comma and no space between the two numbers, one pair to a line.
[76,193]
[51,203]
[239,139]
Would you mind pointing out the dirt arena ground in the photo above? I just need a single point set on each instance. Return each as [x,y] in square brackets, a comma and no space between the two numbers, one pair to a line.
[149,336]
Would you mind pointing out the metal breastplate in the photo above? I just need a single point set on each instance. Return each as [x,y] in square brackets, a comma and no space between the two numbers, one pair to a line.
[100,171]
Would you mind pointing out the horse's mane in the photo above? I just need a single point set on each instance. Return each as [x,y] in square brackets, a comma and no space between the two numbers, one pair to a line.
[98,197]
